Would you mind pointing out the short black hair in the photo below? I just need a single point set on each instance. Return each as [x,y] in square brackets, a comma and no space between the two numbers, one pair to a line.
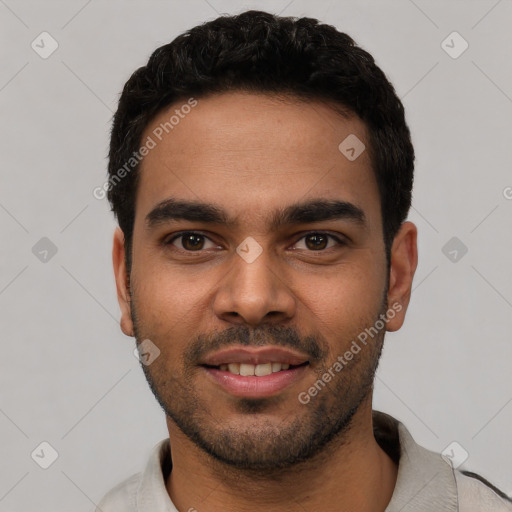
[264,53]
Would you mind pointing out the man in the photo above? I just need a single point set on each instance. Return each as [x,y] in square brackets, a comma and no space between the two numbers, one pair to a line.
[261,172]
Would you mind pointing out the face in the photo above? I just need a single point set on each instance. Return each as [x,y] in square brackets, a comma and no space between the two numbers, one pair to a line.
[258,265]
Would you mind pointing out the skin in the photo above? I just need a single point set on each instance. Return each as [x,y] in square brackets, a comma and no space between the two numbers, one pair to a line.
[252,154]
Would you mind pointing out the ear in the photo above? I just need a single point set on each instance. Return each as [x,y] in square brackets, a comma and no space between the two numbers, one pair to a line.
[122,282]
[404,260]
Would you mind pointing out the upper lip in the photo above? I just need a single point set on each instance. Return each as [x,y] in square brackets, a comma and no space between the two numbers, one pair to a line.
[255,355]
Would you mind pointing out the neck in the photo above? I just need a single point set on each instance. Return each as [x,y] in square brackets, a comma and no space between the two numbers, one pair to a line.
[352,473]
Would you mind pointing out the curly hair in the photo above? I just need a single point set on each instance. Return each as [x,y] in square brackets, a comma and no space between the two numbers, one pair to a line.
[263,53]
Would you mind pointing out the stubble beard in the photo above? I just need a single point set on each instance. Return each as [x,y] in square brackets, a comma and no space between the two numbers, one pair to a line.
[258,445]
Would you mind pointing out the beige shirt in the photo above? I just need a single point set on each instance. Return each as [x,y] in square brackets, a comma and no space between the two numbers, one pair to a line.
[426,481]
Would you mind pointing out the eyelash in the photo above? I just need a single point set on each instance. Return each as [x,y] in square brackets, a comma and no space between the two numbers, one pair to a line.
[168,242]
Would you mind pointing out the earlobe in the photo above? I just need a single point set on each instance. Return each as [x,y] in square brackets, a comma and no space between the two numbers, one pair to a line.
[404,260]
[122,282]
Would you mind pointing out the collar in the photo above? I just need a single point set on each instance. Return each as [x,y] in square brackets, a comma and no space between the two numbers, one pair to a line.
[425,479]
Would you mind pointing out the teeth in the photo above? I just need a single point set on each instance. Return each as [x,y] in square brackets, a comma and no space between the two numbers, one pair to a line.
[246,369]
[233,368]
[258,370]
[263,369]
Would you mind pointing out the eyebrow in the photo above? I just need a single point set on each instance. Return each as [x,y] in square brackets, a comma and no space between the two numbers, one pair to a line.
[318,210]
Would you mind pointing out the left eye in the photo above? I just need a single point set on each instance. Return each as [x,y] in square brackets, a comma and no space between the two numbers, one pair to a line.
[318,241]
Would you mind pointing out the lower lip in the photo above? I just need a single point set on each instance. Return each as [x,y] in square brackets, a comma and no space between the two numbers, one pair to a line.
[255,387]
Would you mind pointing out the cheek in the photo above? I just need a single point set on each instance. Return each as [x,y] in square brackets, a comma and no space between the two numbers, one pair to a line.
[350,294]
[169,304]
[345,305]
[156,285]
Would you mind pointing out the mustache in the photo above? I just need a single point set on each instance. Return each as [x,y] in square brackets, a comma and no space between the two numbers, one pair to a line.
[274,335]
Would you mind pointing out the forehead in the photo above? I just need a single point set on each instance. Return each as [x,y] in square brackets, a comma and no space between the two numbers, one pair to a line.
[252,154]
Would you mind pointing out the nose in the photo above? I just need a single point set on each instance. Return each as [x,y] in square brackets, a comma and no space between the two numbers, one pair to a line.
[254,292]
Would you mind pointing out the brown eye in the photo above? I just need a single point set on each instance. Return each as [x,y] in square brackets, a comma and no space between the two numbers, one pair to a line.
[319,241]
[316,241]
[190,241]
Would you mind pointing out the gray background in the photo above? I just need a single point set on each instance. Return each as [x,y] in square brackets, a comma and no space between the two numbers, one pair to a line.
[68,375]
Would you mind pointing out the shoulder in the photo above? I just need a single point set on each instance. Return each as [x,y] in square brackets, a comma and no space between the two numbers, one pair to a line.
[146,487]
[476,494]
[121,498]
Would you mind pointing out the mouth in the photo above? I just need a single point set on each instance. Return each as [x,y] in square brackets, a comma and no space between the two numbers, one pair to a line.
[255,372]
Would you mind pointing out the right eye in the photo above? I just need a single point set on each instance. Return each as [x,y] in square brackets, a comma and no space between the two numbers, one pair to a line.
[191,241]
